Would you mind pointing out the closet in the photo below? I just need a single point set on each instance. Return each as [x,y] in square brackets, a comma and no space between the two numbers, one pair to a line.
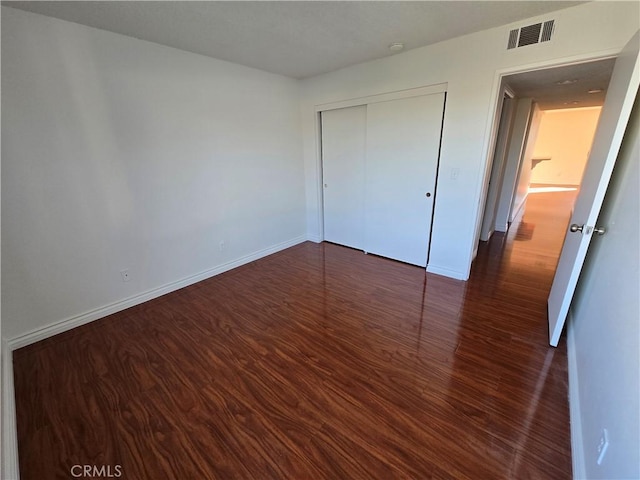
[379,169]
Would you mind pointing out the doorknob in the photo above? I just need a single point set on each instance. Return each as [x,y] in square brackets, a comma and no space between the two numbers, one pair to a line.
[600,230]
[428,194]
[576,228]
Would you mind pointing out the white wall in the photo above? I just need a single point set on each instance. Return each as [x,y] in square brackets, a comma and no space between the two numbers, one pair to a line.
[497,168]
[515,146]
[3,351]
[565,136]
[123,154]
[605,329]
[470,66]
[524,171]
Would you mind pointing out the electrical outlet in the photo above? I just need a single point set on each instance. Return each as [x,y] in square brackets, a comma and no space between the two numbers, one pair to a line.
[222,245]
[603,445]
[125,275]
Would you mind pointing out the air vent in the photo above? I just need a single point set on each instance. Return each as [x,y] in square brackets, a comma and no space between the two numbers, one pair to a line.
[530,35]
[513,39]
[547,31]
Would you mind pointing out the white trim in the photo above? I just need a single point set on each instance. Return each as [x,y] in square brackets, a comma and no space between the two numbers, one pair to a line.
[501,228]
[520,211]
[512,70]
[508,91]
[577,444]
[353,102]
[559,62]
[86,317]
[490,164]
[491,125]
[383,97]
[319,174]
[314,238]
[10,466]
[446,272]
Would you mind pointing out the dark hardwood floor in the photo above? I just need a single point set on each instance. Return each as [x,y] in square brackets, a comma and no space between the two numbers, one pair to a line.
[318,362]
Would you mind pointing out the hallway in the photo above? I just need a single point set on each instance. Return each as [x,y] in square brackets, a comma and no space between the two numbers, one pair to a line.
[535,237]
[528,253]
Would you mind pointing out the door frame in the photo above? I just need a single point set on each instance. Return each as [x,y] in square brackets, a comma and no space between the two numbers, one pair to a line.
[383,97]
[493,122]
[514,158]
[353,102]
[503,134]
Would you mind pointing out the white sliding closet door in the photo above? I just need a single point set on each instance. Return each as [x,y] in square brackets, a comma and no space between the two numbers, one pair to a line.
[343,172]
[402,148]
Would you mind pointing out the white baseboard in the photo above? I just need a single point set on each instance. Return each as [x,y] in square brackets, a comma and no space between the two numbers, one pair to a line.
[446,272]
[10,465]
[315,238]
[86,317]
[10,470]
[519,210]
[577,445]
[501,228]
[487,238]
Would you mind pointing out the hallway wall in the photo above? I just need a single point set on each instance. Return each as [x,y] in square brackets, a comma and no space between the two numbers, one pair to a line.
[565,136]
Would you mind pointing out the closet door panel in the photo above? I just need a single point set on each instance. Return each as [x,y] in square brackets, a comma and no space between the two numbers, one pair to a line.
[343,169]
[402,148]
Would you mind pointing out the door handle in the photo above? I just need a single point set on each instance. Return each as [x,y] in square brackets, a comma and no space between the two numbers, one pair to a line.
[576,228]
[600,230]
[428,194]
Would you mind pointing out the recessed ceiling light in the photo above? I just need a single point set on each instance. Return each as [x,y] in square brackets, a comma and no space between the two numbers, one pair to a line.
[396,47]
[566,82]
[595,90]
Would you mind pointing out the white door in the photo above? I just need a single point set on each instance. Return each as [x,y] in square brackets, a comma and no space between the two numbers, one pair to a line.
[402,148]
[343,167]
[604,151]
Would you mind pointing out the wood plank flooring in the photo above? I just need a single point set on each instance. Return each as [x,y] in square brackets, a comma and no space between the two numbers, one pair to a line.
[318,362]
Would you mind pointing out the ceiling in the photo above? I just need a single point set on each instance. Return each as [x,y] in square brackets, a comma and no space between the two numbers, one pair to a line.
[546,87]
[298,39]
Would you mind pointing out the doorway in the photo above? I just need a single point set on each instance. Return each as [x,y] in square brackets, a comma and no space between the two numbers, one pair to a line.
[623,87]
[547,123]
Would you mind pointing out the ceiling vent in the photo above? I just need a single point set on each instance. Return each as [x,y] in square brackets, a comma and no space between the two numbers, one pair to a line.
[530,35]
